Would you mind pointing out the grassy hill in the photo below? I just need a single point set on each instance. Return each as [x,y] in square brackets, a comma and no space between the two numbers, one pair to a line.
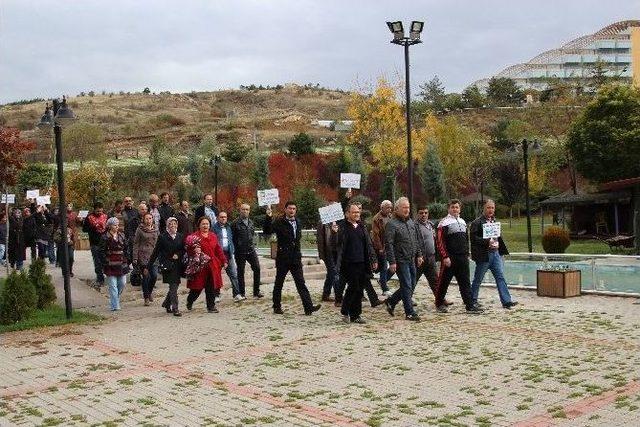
[268,117]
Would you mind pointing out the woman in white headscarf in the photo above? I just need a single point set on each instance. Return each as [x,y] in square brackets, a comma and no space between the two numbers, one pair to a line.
[169,249]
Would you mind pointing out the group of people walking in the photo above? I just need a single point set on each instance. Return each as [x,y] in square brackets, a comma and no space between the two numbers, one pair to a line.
[198,246]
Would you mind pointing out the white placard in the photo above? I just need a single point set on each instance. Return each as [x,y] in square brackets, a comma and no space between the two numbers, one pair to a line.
[43,200]
[350,180]
[83,214]
[11,197]
[491,230]
[268,197]
[331,213]
[32,194]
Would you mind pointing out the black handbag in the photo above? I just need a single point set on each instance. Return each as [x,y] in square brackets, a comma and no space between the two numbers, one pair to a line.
[136,277]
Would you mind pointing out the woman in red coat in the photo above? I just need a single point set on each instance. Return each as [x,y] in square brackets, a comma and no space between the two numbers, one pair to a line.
[209,277]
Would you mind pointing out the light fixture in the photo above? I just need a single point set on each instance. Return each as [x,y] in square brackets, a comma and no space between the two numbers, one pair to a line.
[397,29]
[416,29]
[46,121]
[65,115]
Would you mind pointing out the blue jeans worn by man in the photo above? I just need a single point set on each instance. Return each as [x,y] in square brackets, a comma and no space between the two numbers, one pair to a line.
[97,264]
[232,272]
[407,276]
[496,265]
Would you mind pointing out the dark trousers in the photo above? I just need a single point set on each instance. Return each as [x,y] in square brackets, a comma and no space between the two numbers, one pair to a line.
[171,300]
[70,252]
[252,259]
[33,251]
[97,264]
[295,267]
[332,279]
[149,281]
[356,278]
[339,289]
[209,293]
[460,270]
[43,250]
[428,269]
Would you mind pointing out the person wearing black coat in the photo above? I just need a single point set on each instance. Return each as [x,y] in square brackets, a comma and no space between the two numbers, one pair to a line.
[169,249]
[29,230]
[288,232]
[16,249]
[206,209]
[165,209]
[356,261]
[44,231]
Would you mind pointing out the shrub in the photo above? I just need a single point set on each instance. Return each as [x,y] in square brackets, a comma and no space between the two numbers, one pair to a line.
[437,211]
[18,298]
[169,119]
[41,282]
[555,240]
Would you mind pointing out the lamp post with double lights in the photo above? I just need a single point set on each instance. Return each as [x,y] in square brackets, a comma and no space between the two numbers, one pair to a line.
[399,38]
[215,161]
[58,117]
[535,147]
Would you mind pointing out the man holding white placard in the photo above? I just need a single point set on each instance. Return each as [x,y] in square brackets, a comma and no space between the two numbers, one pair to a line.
[487,249]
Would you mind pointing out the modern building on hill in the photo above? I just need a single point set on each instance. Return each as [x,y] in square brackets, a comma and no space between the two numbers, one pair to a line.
[614,51]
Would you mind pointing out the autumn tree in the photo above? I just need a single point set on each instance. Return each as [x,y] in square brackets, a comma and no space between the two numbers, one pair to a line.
[12,151]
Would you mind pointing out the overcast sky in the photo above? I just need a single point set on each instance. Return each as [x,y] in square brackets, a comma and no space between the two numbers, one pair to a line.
[50,48]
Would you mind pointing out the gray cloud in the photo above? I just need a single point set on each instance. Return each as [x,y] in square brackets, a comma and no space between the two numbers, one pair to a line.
[48,48]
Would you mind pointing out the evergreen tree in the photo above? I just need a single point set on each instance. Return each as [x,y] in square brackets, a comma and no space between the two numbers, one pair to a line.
[432,92]
[431,174]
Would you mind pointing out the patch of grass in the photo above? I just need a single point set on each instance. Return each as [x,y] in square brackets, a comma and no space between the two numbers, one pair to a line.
[51,316]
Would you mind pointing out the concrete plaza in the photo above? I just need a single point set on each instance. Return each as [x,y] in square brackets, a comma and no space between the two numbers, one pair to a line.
[573,362]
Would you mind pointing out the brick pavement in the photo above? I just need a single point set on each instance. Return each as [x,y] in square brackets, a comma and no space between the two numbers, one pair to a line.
[568,362]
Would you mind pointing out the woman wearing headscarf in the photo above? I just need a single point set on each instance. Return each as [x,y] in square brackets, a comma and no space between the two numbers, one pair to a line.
[114,261]
[208,278]
[169,250]
[143,243]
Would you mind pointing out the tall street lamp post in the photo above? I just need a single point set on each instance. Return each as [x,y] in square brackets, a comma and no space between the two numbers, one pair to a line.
[60,116]
[535,147]
[399,38]
[215,161]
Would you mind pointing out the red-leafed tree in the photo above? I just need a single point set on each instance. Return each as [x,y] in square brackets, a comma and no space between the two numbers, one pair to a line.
[12,151]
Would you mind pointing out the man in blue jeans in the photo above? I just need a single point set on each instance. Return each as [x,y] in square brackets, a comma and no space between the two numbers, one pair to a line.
[487,254]
[402,242]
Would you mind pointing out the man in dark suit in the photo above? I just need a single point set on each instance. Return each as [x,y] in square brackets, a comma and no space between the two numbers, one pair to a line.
[288,231]
[206,209]
[356,261]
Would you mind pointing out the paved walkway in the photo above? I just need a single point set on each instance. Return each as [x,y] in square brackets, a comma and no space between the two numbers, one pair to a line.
[573,362]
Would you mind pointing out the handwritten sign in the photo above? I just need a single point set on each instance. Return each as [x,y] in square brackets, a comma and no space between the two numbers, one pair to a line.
[268,197]
[83,214]
[32,194]
[491,230]
[350,180]
[331,213]
[10,197]
[43,200]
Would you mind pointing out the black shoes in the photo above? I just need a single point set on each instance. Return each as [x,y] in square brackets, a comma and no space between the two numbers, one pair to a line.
[327,298]
[510,304]
[359,320]
[389,307]
[177,313]
[475,310]
[413,317]
[442,308]
[213,310]
[189,306]
[376,303]
[313,309]
[278,311]
[258,295]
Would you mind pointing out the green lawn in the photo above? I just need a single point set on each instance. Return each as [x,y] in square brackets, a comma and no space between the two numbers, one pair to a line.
[51,316]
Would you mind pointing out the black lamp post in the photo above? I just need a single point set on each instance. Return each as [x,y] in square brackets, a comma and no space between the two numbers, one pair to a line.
[399,38]
[215,161]
[535,147]
[94,192]
[60,116]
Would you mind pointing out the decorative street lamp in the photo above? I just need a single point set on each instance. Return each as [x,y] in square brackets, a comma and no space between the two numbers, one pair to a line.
[399,38]
[59,117]
[215,161]
[535,147]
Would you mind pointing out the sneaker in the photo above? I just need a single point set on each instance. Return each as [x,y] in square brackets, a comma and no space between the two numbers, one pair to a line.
[475,310]
[510,304]
[442,309]
[387,293]
[177,313]
[217,299]
[359,320]
[389,307]
[146,302]
[346,319]
[413,317]
[237,298]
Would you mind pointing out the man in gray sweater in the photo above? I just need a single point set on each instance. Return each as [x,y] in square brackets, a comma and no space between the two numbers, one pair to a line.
[403,250]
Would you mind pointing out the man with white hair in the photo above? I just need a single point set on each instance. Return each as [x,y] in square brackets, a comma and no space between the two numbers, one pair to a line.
[380,220]
[403,252]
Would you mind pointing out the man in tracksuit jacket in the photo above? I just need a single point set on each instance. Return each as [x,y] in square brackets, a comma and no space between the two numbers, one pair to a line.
[453,247]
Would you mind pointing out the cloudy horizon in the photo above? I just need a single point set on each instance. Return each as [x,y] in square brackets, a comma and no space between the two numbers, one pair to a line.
[52,48]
